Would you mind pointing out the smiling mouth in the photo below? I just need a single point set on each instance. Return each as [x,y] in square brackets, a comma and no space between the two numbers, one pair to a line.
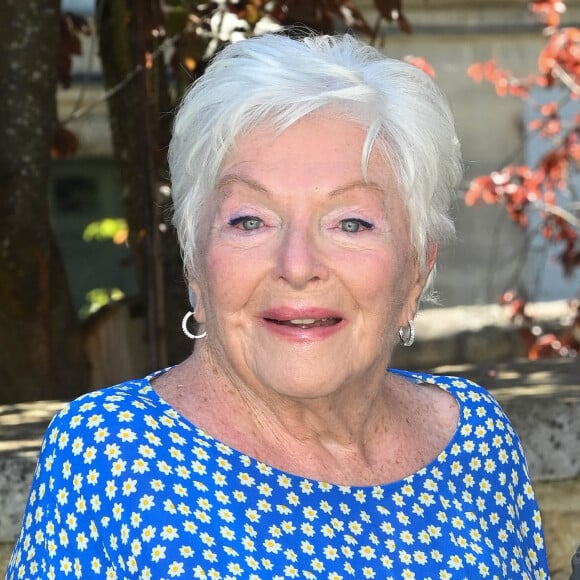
[305,323]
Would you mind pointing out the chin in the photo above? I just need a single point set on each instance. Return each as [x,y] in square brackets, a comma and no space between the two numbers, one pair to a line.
[309,387]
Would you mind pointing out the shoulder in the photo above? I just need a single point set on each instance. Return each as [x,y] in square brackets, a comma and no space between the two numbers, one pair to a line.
[484,434]
[107,402]
[479,412]
[119,413]
[464,390]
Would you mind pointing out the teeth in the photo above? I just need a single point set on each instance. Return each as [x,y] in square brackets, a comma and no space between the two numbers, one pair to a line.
[305,320]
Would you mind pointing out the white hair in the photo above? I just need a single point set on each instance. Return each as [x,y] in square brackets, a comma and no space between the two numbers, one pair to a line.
[278,80]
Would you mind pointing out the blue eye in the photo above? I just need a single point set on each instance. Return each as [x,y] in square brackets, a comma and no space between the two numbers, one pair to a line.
[247,223]
[354,225]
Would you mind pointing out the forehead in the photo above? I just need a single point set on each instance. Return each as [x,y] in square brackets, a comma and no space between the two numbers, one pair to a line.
[320,148]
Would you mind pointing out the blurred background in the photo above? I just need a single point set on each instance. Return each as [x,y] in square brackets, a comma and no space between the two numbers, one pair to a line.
[93,291]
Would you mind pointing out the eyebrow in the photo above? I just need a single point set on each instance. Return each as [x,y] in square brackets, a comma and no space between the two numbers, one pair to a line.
[235,179]
[258,187]
[359,183]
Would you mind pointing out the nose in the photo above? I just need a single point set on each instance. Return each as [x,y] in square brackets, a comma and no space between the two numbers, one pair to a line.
[301,257]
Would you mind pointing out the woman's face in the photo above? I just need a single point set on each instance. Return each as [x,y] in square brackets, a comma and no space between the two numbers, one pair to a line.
[306,268]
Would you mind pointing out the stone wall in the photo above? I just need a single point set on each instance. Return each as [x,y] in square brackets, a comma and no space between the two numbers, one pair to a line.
[542,399]
[560,505]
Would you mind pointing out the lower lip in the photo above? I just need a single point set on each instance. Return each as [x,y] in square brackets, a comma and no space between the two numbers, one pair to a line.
[299,334]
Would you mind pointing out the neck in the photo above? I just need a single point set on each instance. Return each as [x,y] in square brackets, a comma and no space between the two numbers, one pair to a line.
[378,432]
[341,419]
[347,421]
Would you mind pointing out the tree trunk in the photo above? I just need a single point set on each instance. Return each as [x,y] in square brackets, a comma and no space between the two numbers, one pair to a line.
[41,350]
[140,129]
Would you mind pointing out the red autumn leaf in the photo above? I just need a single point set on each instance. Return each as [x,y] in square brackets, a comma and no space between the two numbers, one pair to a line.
[545,346]
[550,197]
[555,165]
[520,187]
[518,90]
[547,59]
[476,189]
[549,109]
[574,152]
[490,69]
[501,87]
[517,305]
[507,297]
[421,64]
[562,55]
[552,127]
[490,195]
[475,72]
[548,11]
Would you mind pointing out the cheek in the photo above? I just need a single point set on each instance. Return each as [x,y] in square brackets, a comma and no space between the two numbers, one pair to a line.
[384,281]
[230,279]
[381,271]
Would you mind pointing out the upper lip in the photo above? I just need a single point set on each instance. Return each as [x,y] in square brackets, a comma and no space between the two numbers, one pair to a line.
[287,313]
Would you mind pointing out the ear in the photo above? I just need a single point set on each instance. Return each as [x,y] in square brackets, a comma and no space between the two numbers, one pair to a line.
[421,279]
[195,299]
[432,254]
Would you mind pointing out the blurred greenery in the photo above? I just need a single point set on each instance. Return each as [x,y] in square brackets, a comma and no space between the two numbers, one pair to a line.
[97,298]
[107,229]
[113,229]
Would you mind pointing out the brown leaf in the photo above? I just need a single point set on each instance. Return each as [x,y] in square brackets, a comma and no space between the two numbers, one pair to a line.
[71,27]
[64,143]
[392,11]
[404,24]
[388,9]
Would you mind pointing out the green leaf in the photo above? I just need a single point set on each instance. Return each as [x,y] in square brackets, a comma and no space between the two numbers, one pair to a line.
[105,229]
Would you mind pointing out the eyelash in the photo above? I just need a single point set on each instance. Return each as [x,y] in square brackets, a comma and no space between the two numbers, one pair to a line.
[365,225]
[237,221]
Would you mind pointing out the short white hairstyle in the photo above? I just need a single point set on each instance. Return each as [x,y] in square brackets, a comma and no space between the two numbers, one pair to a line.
[277,80]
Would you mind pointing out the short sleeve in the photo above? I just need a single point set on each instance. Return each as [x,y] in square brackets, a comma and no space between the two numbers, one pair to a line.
[59,536]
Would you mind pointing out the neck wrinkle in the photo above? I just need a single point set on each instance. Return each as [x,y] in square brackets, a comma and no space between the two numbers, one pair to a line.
[335,425]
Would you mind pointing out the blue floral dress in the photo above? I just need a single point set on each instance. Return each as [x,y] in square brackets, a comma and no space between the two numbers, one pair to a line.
[128,488]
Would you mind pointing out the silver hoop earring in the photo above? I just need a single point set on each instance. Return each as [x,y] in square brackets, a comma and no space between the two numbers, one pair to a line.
[411,336]
[184,322]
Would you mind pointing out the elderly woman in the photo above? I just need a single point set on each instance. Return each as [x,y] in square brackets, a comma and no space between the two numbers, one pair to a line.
[312,180]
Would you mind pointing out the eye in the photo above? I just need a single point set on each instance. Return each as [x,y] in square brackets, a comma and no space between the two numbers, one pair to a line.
[247,223]
[354,225]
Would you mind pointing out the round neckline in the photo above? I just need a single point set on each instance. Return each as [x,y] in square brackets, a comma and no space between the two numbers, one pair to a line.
[415,377]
